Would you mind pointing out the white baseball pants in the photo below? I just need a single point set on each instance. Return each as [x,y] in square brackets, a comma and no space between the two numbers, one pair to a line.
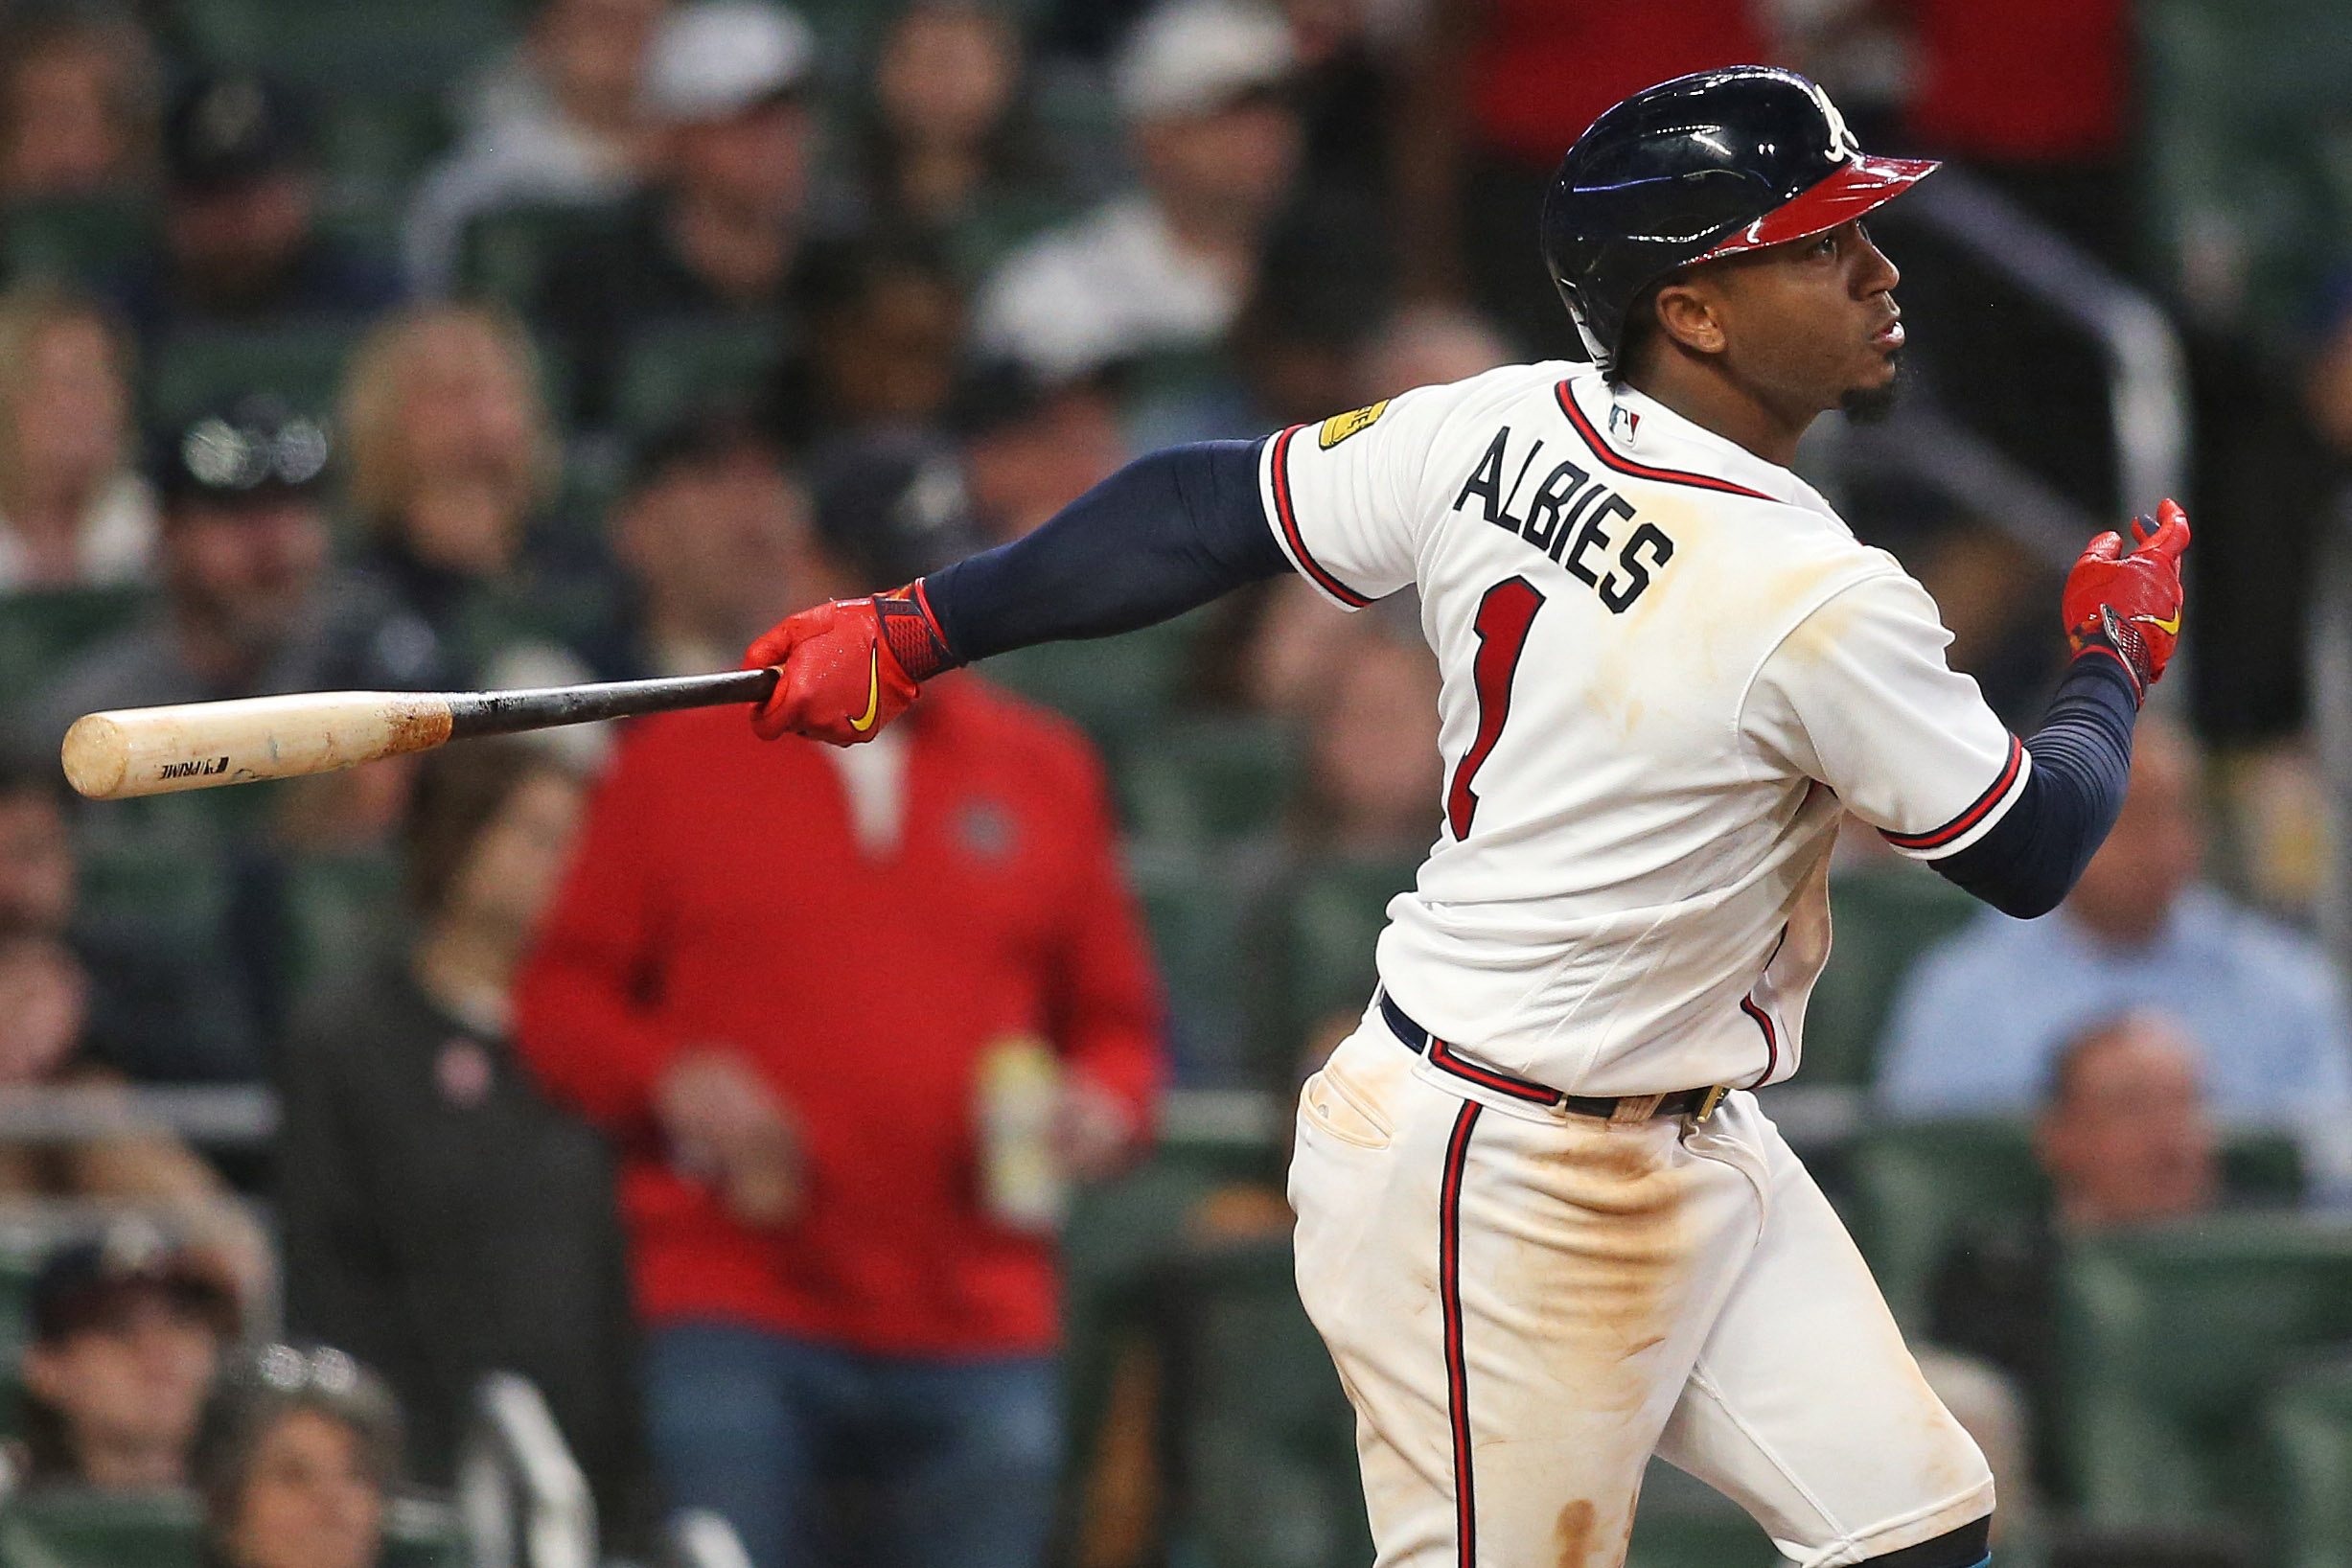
[1524,1303]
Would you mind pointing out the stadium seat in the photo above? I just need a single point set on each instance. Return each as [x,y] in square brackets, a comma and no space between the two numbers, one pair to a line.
[1115,687]
[1207,781]
[506,253]
[1883,920]
[1196,906]
[2169,1341]
[41,632]
[2242,177]
[196,371]
[372,148]
[1317,946]
[1919,1189]
[328,45]
[81,239]
[2309,1425]
[669,368]
[1264,1441]
[1682,1523]
[57,1528]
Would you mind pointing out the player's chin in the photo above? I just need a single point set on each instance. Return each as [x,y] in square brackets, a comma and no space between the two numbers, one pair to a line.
[1872,398]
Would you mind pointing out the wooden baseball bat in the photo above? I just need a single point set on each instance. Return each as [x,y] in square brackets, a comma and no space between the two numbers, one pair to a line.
[197,746]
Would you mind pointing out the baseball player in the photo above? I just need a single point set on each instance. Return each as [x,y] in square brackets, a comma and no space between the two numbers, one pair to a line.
[1543,1226]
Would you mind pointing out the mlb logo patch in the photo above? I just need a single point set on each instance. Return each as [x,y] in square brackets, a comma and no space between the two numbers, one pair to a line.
[1624,422]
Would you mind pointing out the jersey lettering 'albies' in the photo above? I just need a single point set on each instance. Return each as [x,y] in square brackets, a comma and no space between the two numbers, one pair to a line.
[1668,666]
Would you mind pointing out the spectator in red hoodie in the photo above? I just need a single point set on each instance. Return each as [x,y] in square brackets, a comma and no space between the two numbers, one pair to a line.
[839,1157]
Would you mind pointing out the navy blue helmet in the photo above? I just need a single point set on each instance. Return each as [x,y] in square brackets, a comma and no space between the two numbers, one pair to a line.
[1703,166]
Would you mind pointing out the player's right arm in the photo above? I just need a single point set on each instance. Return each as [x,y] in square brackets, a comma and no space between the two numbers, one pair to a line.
[1165,534]
[1859,697]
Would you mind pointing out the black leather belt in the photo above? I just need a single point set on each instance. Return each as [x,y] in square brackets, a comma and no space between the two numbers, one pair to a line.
[1699,1104]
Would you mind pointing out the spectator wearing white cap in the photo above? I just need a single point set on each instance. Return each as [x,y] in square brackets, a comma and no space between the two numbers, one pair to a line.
[1202,87]
[560,121]
[721,231]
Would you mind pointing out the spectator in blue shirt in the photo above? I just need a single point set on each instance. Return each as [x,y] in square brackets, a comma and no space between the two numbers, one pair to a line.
[1980,1018]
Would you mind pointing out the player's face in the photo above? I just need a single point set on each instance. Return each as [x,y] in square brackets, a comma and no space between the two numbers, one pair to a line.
[1810,325]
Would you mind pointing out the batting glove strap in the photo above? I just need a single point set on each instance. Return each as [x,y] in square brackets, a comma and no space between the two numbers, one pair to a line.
[2110,634]
[911,633]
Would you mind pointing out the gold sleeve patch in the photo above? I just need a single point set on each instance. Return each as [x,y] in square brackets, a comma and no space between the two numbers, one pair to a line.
[1340,427]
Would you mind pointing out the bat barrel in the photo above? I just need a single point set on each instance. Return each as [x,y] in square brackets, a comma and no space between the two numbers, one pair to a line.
[509,712]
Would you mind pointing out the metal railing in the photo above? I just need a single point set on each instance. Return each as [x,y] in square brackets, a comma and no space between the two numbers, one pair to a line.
[523,1499]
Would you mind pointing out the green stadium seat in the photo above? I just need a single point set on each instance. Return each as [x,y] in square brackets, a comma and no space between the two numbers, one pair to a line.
[2243,172]
[81,240]
[72,1529]
[41,632]
[1209,780]
[1682,1523]
[1115,687]
[2170,1340]
[1883,920]
[194,371]
[1264,1439]
[327,45]
[345,911]
[372,147]
[1196,907]
[2309,1425]
[669,368]
[1919,1189]
[1317,946]
[506,253]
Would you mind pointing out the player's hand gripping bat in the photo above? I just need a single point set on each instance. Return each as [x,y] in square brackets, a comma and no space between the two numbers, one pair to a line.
[195,745]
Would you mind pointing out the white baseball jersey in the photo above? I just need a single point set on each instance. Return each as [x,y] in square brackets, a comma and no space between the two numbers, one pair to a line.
[1668,666]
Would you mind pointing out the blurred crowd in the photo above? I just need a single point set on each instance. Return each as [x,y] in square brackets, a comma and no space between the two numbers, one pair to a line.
[737,1097]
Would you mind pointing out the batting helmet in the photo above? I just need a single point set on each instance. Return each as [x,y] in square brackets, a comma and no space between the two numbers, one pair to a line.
[1703,166]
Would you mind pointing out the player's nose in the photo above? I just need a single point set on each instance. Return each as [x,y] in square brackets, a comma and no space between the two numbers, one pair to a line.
[1874,273]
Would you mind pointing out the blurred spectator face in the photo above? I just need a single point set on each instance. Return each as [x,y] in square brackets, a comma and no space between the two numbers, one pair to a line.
[2327,384]
[67,411]
[2125,1135]
[1300,637]
[233,246]
[1427,345]
[714,544]
[310,1498]
[240,570]
[519,857]
[946,74]
[888,356]
[753,165]
[1232,163]
[128,1383]
[591,55]
[44,1000]
[74,102]
[36,864]
[2154,852]
[445,403]
[1373,749]
[1021,473]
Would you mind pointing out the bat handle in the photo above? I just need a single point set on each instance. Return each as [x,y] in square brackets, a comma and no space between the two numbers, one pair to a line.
[509,712]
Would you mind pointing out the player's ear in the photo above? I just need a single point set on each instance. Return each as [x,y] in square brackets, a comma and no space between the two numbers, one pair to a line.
[1687,315]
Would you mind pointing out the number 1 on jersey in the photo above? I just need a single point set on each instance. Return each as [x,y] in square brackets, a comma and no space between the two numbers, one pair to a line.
[1504,616]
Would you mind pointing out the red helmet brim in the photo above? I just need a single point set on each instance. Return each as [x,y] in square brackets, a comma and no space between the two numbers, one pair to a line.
[1862,184]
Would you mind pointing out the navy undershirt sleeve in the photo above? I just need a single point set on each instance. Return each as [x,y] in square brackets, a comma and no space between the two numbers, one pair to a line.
[1164,533]
[2029,859]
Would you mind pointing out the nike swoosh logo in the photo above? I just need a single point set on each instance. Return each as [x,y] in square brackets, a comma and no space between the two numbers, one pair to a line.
[2171,628]
[873,693]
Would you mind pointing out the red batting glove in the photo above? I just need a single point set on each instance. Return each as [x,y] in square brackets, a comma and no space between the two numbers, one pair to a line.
[2129,604]
[847,668]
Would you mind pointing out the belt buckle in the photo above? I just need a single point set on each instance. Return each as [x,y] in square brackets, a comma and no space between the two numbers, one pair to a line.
[1708,1102]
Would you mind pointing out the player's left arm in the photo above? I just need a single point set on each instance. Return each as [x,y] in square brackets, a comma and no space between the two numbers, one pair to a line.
[1861,697]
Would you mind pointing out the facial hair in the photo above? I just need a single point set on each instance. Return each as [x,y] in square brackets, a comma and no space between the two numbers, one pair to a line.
[1873,404]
